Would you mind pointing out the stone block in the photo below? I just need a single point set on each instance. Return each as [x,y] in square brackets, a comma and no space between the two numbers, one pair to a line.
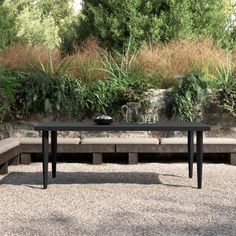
[233,159]
[4,168]
[25,159]
[97,158]
[133,158]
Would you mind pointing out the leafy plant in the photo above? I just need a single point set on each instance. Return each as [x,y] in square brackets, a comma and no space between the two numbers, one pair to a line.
[225,89]
[43,88]
[8,86]
[95,97]
[102,96]
[51,69]
[3,106]
[72,104]
[188,96]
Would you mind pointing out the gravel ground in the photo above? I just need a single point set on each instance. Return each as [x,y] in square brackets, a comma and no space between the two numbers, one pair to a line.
[112,199]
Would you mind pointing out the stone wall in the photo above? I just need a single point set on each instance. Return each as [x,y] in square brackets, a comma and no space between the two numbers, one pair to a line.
[222,125]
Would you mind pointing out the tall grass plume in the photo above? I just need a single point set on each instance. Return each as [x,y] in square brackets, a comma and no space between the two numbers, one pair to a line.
[169,60]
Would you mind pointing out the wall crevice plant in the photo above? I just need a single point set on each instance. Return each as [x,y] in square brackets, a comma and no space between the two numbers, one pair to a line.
[225,89]
[189,95]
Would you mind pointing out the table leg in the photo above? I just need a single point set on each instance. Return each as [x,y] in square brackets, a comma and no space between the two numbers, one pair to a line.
[54,152]
[45,158]
[190,154]
[199,157]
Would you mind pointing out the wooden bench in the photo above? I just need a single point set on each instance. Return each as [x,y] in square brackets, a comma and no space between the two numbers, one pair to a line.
[132,146]
[9,151]
[67,145]
[15,151]
[211,145]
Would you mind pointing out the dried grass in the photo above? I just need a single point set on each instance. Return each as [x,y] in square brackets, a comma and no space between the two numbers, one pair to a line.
[233,59]
[179,57]
[165,61]
[20,56]
[87,61]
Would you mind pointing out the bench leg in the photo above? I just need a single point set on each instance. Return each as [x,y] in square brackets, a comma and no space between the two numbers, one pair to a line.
[14,161]
[25,159]
[97,158]
[4,168]
[233,159]
[133,158]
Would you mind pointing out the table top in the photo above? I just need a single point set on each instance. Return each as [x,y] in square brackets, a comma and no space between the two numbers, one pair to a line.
[91,126]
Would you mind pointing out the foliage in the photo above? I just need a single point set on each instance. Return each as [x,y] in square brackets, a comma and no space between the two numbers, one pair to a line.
[43,89]
[70,34]
[87,62]
[74,97]
[107,96]
[8,87]
[188,96]
[115,23]
[211,18]
[2,106]
[35,29]
[58,9]
[7,26]
[40,22]
[100,95]
[20,56]
[50,69]
[225,89]
[164,62]
[123,84]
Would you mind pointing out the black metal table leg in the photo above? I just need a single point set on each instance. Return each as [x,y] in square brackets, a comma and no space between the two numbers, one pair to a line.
[54,152]
[190,154]
[199,158]
[45,158]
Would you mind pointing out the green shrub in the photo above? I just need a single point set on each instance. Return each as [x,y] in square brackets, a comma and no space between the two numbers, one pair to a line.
[42,87]
[8,87]
[41,94]
[188,96]
[3,106]
[225,89]
[74,97]
[124,83]
[8,27]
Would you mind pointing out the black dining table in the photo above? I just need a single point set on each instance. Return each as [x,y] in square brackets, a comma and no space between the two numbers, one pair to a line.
[190,127]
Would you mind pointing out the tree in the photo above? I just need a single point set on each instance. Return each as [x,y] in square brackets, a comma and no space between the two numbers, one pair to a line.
[115,23]
[36,29]
[40,21]
[7,26]
[210,19]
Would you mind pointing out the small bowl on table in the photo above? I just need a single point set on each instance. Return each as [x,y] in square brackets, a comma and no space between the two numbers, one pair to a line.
[103,120]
